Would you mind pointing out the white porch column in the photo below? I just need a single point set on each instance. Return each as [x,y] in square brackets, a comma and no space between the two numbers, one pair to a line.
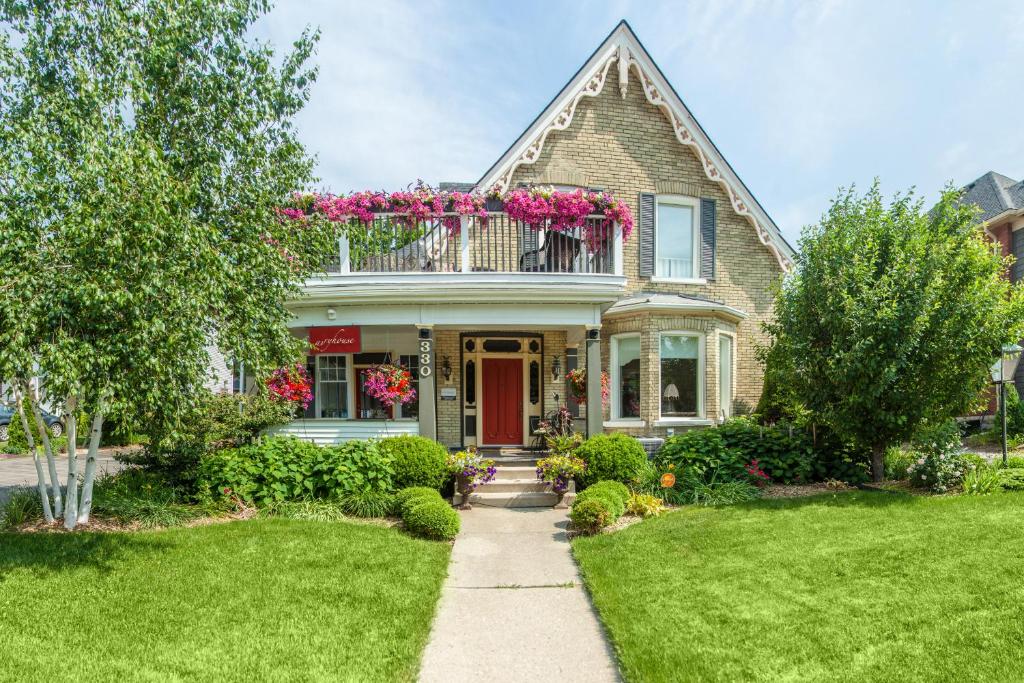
[617,265]
[427,391]
[595,409]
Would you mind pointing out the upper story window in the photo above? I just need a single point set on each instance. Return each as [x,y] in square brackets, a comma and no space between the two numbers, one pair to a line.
[677,247]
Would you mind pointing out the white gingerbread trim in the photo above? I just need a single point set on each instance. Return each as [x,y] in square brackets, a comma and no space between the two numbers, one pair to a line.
[625,49]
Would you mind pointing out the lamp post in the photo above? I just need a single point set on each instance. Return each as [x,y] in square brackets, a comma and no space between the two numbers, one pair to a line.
[1002,372]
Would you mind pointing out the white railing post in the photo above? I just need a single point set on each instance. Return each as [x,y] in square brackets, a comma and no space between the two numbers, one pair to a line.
[617,268]
[345,265]
[464,222]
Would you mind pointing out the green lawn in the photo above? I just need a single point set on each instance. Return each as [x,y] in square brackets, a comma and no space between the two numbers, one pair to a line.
[266,600]
[848,587]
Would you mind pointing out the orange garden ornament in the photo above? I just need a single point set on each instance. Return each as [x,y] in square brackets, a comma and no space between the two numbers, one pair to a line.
[668,480]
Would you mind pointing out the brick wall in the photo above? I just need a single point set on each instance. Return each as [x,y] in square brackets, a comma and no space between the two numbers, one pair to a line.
[626,146]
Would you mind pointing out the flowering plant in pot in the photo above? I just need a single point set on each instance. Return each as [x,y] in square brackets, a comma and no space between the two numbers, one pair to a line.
[470,470]
[578,386]
[390,384]
[291,384]
[559,470]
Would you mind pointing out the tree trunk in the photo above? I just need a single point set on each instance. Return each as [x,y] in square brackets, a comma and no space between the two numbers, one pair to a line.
[40,477]
[51,463]
[71,503]
[877,464]
[85,507]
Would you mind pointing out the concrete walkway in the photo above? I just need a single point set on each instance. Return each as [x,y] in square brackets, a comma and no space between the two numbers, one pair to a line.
[513,607]
[21,471]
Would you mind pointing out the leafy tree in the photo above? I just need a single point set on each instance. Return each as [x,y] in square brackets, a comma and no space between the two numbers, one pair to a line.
[893,317]
[144,149]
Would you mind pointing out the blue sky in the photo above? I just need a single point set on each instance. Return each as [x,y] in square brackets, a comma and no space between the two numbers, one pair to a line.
[800,97]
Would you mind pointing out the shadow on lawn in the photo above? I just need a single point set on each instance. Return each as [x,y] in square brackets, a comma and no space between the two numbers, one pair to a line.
[45,553]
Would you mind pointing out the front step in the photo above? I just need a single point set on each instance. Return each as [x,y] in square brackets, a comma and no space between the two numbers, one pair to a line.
[517,487]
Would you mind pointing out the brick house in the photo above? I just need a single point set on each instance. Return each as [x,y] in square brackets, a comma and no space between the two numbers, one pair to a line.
[492,319]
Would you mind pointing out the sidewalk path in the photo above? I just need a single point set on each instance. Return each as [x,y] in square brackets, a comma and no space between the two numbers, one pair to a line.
[21,471]
[513,607]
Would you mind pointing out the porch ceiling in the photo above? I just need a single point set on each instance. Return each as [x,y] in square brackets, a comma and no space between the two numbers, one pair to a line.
[493,316]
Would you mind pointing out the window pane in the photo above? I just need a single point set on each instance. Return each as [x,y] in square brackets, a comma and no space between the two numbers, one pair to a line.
[412,364]
[675,241]
[333,386]
[628,389]
[679,379]
[725,375]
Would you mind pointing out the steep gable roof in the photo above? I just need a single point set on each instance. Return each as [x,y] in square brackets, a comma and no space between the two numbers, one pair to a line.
[623,49]
[995,194]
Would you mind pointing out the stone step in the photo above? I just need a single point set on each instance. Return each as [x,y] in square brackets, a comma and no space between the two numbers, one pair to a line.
[510,499]
[516,472]
[514,485]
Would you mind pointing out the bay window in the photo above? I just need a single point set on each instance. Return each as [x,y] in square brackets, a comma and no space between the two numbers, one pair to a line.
[725,375]
[625,376]
[681,362]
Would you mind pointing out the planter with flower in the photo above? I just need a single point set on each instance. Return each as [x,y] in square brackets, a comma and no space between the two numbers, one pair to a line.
[578,386]
[291,384]
[470,470]
[559,471]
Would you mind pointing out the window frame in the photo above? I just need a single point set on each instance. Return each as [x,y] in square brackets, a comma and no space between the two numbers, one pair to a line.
[701,416]
[732,374]
[351,379]
[349,397]
[615,418]
[694,204]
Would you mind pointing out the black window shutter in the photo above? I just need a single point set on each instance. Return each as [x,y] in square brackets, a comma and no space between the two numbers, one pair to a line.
[707,238]
[647,209]
[1017,247]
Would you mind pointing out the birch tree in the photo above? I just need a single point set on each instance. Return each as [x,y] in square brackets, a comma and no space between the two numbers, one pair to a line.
[150,144]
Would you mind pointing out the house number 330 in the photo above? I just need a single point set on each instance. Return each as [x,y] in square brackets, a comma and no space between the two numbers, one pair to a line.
[426,357]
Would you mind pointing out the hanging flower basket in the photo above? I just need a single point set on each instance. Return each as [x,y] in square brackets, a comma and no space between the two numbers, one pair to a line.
[390,384]
[291,384]
[578,386]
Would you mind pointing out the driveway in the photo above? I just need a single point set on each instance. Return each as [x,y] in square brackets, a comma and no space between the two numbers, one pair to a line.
[21,471]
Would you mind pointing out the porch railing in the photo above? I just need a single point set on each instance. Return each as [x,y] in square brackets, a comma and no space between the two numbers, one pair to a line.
[471,244]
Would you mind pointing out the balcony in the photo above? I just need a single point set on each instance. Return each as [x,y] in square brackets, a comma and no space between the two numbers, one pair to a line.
[470,244]
[457,259]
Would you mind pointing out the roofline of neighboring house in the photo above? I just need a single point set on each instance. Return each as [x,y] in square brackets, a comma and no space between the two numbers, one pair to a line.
[729,173]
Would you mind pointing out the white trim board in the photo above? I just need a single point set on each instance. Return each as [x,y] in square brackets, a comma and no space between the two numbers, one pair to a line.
[623,48]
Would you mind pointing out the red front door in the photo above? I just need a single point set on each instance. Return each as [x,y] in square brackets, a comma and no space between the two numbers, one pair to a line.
[503,401]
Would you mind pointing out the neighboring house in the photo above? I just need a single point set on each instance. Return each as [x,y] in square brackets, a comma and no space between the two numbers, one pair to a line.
[1001,200]
[491,320]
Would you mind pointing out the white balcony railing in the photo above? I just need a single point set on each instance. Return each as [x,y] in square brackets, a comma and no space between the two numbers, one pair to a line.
[471,244]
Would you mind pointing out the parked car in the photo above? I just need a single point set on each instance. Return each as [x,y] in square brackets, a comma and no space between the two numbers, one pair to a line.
[53,423]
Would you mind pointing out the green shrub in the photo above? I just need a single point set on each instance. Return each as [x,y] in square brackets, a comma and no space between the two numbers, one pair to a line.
[412,495]
[614,493]
[975,461]
[417,461]
[287,468]
[784,452]
[431,519]
[1014,462]
[981,481]
[701,453]
[644,505]
[217,421]
[615,457]
[591,515]
[368,503]
[721,493]
[1014,415]
[1011,479]
[897,463]
[22,506]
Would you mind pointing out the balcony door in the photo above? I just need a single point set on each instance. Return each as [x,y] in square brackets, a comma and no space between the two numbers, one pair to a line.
[502,401]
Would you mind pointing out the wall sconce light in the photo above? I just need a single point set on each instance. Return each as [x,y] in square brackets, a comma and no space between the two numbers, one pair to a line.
[331,314]
[446,368]
[556,367]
